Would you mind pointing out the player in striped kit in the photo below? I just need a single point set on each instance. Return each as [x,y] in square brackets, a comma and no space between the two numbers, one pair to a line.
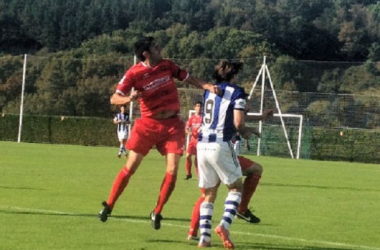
[217,160]
[121,119]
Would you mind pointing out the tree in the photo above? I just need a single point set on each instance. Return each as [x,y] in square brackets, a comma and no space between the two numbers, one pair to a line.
[330,81]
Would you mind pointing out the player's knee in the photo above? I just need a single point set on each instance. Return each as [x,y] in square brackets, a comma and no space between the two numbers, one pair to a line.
[255,169]
[129,171]
[260,170]
[210,197]
[172,169]
[237,186]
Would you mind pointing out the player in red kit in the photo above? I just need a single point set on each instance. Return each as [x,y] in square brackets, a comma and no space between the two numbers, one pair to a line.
[159,124]
[193,126]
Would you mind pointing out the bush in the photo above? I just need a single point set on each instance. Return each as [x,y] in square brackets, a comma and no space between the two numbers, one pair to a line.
[355,145]
[60,130]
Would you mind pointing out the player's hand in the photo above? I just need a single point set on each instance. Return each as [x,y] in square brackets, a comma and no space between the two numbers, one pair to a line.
[135,95]
[247,146]
[256,132]
[249,132]
[246,135]
[267,113]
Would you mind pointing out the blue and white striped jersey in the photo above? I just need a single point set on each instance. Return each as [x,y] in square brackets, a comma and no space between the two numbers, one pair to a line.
[218,113]
[123,126]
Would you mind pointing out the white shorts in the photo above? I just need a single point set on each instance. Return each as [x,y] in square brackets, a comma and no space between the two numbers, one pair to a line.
[122,135]
[217,161]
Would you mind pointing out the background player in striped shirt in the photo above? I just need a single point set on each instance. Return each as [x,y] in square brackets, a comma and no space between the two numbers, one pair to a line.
[193,126]
[159,125]
[217,161]
[121,119]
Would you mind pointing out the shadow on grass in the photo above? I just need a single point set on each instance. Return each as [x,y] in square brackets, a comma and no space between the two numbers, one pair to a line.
[22,188]
[318,187]
[48,213]
[261,246]
[166,219]
[95,215]
[26,211]
[216,243]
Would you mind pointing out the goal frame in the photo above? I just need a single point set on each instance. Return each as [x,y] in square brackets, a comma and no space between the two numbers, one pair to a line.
[300,127]
[263,72]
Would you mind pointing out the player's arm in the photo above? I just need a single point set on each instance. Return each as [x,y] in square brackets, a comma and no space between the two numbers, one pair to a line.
[239,122]
[188,127]
[240,107]
[187,130]
[266,114]
[124,93]
[119,99]
[199,83]
[115,120]
[184,76]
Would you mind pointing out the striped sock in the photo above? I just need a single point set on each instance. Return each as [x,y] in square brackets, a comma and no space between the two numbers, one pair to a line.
[230,206]
[205,222]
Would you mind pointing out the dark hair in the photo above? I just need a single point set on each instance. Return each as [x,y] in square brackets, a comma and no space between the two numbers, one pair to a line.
[200,103]
[143,44]
[226,70]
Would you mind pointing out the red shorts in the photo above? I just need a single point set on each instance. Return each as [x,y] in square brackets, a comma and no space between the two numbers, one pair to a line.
[192,147]
[245,162]
[167,135]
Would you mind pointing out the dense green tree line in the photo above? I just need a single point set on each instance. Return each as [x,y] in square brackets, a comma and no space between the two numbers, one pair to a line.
[79,81]
[79,49]
[311,29]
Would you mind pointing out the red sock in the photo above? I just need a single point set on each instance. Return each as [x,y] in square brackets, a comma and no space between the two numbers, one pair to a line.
[249,187]
[166,190]
[188,166]
[194,223]
[119,185]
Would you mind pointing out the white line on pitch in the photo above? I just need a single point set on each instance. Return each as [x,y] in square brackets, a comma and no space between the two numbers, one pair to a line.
[182,226]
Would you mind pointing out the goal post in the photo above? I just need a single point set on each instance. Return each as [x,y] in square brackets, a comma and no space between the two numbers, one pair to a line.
[274,140]
[265,74]
[285,132]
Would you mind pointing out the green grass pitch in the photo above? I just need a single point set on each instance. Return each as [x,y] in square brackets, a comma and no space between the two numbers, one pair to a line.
[50,196]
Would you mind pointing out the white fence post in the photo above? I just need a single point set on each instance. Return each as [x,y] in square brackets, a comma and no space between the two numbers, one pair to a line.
[22,100]
[131,105]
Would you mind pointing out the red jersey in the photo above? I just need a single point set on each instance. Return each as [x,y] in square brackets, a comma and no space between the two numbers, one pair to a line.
[157,87]
[194,123]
